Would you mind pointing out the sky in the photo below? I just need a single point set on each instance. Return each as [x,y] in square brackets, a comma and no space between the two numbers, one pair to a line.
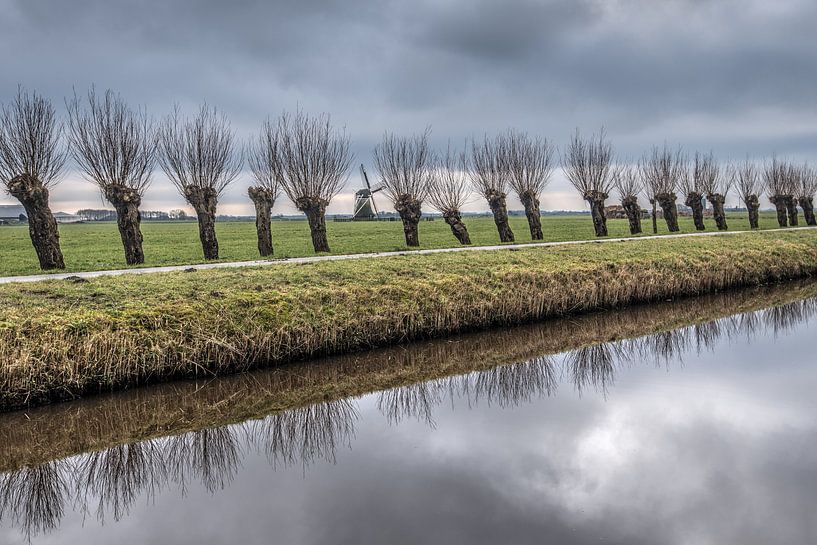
[736,77]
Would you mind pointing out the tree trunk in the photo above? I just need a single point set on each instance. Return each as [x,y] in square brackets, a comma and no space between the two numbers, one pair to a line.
[654,217]
[499,209]
[667,203]
[126,201]
[409,209]
[779,202]
[263,200]
[204,200]
[42,227]
[753,206]
[452,217]
[596,200]
[807,204]
[633,211]
[693,201]
[718,201]
[315,210]
[531,204]
[791,209]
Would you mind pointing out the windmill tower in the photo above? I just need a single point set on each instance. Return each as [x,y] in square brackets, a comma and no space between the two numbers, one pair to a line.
[365,207]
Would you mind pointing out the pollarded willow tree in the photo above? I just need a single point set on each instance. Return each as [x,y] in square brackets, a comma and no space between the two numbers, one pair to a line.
[715,185]
[449,190]
[691,185]
[745,177]
[662,171]
[806,191]
[588,165]
[31,159]
[530,164]
[776,184]
[792,187]
[115,147]
[262,155]
[199,156]
[406,168]
[627,180]
[489,173]
[313,161]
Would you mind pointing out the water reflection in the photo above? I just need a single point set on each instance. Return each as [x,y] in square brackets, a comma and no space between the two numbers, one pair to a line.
[107,482]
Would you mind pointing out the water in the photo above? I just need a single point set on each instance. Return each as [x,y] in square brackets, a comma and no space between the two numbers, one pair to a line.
[690,435]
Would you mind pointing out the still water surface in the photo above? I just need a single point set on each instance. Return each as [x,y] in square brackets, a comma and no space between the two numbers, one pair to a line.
[704,434]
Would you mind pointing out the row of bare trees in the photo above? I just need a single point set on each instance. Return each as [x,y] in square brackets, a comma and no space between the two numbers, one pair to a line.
[117,148]
[662,173]
[412,173]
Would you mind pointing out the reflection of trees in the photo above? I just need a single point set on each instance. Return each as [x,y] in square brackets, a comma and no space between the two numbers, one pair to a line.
[118,476]
[504,385]
[307,433]
[510,385]
[784,318]
[211,454]
[592,366]
[417,400]
[111,480]
[33,498]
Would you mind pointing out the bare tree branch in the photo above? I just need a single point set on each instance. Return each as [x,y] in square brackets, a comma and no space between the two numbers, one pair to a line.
[405,166]
[200,152]
[30,140]
[313,158]
[112,144]
[449,187]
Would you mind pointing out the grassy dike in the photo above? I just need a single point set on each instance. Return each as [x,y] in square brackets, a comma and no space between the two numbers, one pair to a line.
[61,339]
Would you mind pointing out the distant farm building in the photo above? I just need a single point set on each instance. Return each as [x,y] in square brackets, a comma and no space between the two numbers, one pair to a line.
[616,211]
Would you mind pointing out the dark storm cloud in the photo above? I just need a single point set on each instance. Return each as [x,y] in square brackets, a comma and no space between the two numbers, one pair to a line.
[735,76]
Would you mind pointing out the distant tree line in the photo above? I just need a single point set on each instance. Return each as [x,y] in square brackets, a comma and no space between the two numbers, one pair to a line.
[308,160]
[102,214]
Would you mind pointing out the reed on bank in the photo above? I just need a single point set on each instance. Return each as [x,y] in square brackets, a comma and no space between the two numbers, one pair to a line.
[62,339]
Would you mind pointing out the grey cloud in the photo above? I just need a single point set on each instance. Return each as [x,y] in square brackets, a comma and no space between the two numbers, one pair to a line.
[695,72]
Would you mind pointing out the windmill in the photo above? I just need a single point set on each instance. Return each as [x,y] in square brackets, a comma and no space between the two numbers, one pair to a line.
[365,207]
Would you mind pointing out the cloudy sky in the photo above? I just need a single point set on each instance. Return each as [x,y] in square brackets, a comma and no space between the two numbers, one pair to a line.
[734,76]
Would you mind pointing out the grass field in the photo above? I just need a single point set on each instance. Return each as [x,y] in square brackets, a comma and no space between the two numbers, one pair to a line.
[60,339]
[96,246]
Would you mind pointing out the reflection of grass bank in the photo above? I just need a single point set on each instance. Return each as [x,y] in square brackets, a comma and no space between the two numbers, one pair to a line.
[57,431]
[62,339]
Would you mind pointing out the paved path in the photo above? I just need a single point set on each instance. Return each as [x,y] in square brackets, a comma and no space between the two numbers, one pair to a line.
[319,258]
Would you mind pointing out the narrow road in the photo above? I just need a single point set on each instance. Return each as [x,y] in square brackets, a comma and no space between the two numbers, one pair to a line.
[319,258]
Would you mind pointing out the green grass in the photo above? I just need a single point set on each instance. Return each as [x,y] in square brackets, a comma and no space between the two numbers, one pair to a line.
[60,339]
[96,246]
